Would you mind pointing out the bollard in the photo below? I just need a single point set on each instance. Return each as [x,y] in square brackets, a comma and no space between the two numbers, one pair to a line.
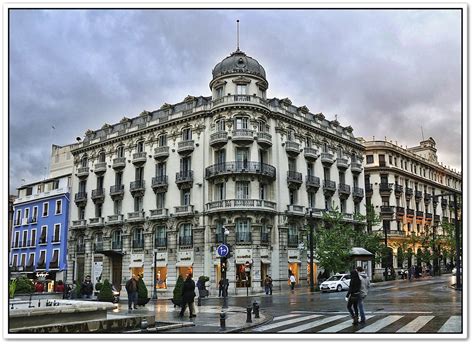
[249,314]
[254,306]
[222,320]
[257,311]
[144,324]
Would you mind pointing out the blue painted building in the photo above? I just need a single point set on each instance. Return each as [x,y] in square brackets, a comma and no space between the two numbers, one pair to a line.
[40,229]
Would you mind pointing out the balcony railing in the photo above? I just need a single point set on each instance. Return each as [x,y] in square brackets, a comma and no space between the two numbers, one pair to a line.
[231,99]
[312,182]
[398,188]
[419,214]
[241,203]
[437,218]
[327,158]
[100,167]
[428,216]
[137,186]
[83,172]
[161,152]
[342,163]
[357,192]
[159,213]
[138,243]
[386,209]
[96,221]
[139,158]
[98,194]
[408,192]
[310,153]
[264,139]
[243,237]
[400,211]
[136,216]
[184,209]
[79,223]
[329,185]
[186,147]
[444,202]
[293,241]
[160,242]
[418,194]
[295,209]
[344,189]
[159,182]
[369,189]
[218,138]
[386,187]
[427,197]
[410,212]
[356,167]
[115,218]
[292,148]
[184,176]
[117,190]
[241,167]
[80,197]
[294,179]
[243,135]
[185,240]
[119,163]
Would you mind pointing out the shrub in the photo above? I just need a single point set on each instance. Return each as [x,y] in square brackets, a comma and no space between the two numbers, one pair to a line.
[105,294]
[24,285]
[12,288]
[98,286]
[142,290]
[178,290]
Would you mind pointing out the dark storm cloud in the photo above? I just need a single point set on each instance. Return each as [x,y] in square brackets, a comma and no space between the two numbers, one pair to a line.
[385,73]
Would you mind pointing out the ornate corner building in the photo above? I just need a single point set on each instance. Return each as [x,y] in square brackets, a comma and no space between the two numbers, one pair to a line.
[411,192]
[152,194]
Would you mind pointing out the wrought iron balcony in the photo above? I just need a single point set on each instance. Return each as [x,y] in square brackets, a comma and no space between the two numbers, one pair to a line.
[184,210]
[186,147]
[137,187]
[185,240]
[385,187]
[139,158]
[311,154]
[159,213]
[358,193]
[428,216]
[159,183]
[294,179]
[293,241]
[400,211]
[161,152]
[398,189]
[218,139]
[292,148]
[241,167]
[119,163]
[100,167]
[312,183]
[80,198]
[137,216]
[356,167]
[184,179]
[160,242]
[117,191]
[98,195]
[408,192]
[369,189]
[444,202]
[410,212]
[418,194]
[329,187]
[138,243]
[83,172]
[437,218]
[327,158]
[344,190]
[264,139]
[419,214]
[243,237]
[386,210]
[427,197]
[243,204]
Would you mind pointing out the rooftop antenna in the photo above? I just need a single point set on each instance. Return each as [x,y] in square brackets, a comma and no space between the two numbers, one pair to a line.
[238,35]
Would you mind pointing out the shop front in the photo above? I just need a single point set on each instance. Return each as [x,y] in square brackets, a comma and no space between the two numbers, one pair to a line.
[184,263]
[264,269]
[136,264]
[243,261]
[161,270]
[294,264]
[315,272]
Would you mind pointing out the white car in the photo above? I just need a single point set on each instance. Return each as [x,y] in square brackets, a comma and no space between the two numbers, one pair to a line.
[337,282]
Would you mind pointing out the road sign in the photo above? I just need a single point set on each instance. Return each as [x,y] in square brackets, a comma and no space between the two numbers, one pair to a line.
[222,250]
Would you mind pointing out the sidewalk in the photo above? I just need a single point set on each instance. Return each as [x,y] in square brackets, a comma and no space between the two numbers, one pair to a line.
[207,318]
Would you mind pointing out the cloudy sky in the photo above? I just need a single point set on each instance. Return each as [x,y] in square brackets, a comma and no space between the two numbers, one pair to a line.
[387,73]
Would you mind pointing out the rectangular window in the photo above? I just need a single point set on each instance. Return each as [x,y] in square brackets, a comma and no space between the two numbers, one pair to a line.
[370,159]
[263,191]
[160,169]
[24,242]
[120,151]
[44,234]
[98,210]
[29,191]
[27,215]
[81,213]
[219,191]
[219,92]
[34,218]
[18,217]
[342,177]
[220,125]
[117,206]
[56,184]
[187,134]
[58,207]
[241,89]
[138,203]
[311,199]
[57,233]
[382,160]
[291,164]
[33,238]
[185,164]
[390,159]
[293,197]
[140,146]
[186,197]
[242,189]
[100,182]
[343,206]
[162,140]
[241,123]
[118,178]
[160,200]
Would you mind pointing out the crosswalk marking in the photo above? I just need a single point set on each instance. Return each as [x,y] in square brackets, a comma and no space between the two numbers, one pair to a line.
[341,326]
[415,325]
[287,322]
[283,317]
[312,324]
[452,325]
[378,325]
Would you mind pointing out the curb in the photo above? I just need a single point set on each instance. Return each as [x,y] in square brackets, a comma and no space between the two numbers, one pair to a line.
[263,318]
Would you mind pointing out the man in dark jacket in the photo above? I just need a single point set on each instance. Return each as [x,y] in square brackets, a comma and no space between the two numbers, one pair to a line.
[188,295]
[132,291]
[353,296]
[87,288]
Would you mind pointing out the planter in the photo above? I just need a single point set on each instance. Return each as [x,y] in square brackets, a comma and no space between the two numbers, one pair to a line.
[143,301]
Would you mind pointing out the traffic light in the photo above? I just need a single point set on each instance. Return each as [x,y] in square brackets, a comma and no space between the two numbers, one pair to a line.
[223,264]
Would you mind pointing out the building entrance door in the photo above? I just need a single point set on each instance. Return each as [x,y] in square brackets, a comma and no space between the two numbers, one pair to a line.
[117,272]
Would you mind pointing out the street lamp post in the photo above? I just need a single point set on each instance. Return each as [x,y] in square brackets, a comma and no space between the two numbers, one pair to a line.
[435,254]
[154,277]
[386,252]
[224,232]
[311,256]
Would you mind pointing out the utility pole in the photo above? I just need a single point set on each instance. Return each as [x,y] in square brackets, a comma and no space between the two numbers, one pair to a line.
[458,244]
[311,248]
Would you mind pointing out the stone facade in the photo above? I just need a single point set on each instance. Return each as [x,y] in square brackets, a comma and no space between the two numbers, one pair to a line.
[162,186]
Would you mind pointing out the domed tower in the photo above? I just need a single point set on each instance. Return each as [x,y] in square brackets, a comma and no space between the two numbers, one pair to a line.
[238,74]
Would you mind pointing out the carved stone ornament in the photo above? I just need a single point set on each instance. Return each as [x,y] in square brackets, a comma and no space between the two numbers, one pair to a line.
[241,80]
[166,106]
[125,120]
[144,113]
[334,123]
[189,98]
[286,101]
[195,221]
[304,109]
[89,132]
[319,116]
[349,129]
[171,223]
[106,126]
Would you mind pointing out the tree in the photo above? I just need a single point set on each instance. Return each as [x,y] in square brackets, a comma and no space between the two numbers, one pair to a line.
[24,285]
[142,290]
[178,291]
[105,294]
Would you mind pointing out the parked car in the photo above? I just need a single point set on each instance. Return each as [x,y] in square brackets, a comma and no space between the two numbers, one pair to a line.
[337,282]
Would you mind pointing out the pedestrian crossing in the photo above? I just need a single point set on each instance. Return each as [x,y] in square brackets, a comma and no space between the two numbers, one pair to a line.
[375,323]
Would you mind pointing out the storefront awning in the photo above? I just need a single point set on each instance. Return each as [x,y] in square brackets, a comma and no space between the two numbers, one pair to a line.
[292,261]
[161,264]
[184,264]
[265,261]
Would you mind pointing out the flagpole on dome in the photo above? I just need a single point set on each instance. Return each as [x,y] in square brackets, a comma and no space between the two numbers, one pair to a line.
[238,35]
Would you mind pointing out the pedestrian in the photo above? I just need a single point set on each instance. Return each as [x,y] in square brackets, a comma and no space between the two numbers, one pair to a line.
[87,287]
[266,284]
[352,297]
[132,292]
[188,295]
[364,290]
[270,284]
[292,281]
[39,287]
[226,287]
[221,287]
[59,287]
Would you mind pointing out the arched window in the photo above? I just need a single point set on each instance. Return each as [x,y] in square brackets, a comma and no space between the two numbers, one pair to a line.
[140,146]
[101,156]
[220,236]
[241,122]
[98,242]
[220,125]
[137,241]
[120,151]
[117,239]
[291,134]
[187,134]
[160,236]
[292,236]
[84,161]
[325,147]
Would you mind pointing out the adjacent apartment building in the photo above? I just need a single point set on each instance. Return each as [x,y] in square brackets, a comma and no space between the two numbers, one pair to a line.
[411,192]
[152,193]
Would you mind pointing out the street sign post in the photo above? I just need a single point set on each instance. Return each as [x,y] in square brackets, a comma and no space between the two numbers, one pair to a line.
[222,250]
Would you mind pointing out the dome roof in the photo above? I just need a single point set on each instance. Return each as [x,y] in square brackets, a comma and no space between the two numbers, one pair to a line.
[238,62]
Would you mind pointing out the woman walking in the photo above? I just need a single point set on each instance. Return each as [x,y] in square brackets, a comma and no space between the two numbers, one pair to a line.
[352,297]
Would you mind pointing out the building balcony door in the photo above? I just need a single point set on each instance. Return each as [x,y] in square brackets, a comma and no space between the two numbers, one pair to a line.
[117,272]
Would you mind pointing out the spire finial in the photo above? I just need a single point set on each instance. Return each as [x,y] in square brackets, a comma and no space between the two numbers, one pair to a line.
[238,35]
